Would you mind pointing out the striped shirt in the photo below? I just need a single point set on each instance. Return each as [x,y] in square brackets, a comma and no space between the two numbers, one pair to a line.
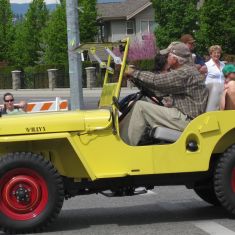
[185,85]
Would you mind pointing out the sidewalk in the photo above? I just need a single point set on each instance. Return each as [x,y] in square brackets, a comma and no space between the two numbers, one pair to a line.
[59,92]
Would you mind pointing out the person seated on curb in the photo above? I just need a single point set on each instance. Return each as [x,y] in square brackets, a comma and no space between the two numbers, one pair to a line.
[187,90]
[9,106]
[228,97]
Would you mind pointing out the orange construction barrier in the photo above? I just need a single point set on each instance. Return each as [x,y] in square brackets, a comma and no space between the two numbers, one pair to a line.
[47,106]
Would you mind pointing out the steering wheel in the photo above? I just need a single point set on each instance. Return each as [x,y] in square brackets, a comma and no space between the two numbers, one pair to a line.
[147,92]
[128,102]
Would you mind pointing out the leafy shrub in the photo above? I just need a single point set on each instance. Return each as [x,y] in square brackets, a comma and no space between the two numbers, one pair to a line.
[147,64]
[229,58]
[142,49]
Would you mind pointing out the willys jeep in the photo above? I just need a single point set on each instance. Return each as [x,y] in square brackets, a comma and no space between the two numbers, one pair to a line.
[49,157]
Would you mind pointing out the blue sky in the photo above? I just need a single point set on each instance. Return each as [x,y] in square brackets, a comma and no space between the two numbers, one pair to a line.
[56,1]
[27,1]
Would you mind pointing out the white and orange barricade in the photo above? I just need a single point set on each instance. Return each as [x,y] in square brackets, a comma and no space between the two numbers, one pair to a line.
[47,106]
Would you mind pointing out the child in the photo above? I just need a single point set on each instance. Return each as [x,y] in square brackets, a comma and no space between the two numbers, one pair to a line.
[228,96]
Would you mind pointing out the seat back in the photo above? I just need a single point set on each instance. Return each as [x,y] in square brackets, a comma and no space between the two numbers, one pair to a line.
[170,135]
[215,92]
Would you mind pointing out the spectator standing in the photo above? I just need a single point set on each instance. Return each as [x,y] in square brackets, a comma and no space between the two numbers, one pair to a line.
[214,66]
[190,42]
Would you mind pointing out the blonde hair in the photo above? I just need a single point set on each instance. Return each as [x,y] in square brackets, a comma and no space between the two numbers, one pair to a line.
[215,48]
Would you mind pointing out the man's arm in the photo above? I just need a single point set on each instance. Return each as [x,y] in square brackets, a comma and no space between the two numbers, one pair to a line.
[163,84]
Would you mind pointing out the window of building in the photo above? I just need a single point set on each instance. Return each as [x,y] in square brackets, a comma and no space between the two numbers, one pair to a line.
[130,27]
[152,26]
[147,26]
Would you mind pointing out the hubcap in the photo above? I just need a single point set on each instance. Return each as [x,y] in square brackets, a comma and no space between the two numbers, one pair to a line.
[24,194]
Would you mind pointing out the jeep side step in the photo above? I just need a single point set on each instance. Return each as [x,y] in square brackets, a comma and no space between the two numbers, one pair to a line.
[127,191]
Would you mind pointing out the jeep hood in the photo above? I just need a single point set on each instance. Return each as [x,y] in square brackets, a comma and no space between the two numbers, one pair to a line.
[55,122]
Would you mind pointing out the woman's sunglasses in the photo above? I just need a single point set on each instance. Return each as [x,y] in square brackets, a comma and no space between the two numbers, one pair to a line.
[7,101]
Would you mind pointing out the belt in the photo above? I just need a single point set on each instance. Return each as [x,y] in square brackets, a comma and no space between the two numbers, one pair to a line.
[188,118]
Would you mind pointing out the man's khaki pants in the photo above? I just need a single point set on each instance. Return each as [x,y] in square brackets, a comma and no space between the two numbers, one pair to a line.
[145,114]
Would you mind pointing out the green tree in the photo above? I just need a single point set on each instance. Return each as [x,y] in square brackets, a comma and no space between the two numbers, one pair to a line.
[6,30]
[17,53]
[217,25]
[55,34]
[87,20]
[174,18]
[28,39]
[55,37]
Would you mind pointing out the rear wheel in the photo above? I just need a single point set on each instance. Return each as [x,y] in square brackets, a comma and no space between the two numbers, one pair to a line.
[224,180]
[31,193]
[208,195]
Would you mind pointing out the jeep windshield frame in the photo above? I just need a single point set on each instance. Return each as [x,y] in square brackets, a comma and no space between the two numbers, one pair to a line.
[112,81]
[111,86]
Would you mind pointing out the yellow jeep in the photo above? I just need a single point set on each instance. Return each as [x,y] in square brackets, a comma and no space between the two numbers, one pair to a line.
[49,157]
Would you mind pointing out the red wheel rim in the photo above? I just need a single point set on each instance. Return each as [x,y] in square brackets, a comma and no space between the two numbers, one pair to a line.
[24,194]
[233,180]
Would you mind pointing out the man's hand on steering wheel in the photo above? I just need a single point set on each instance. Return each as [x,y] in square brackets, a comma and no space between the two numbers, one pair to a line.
[147,92]
[130,69]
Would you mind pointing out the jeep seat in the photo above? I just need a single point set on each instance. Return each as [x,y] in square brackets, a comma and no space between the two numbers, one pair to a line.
[171,135]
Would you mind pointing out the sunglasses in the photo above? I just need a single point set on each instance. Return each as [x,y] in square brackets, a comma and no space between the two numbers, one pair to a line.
[7,101]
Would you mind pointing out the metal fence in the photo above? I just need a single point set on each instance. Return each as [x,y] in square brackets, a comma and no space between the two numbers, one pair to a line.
[5,81]
[62,79]
[40,80]
[34,80]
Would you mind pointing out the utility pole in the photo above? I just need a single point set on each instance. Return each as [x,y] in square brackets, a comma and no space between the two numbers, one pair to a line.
[75,68]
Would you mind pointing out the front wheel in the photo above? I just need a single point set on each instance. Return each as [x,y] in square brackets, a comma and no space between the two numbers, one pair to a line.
[224,180]
[31,193]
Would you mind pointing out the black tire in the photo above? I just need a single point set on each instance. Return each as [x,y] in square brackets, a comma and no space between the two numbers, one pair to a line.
[31,193]
[224,180]
[208,195]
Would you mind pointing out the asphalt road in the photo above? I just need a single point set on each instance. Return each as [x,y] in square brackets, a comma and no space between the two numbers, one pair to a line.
[171,210]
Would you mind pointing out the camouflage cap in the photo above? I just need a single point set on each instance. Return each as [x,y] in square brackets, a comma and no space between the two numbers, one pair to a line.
[167,50]
[181,50]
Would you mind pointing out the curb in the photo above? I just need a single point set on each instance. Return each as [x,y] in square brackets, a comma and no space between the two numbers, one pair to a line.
[59,92]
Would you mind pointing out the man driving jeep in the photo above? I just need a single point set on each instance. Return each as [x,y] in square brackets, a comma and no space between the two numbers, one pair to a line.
[186,87]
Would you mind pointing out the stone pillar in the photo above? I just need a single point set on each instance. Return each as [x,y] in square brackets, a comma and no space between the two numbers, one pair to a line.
[16,81]
[52,73]
[90,77]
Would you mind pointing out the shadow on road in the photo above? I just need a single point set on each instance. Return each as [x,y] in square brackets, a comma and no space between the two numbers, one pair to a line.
[135,215]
